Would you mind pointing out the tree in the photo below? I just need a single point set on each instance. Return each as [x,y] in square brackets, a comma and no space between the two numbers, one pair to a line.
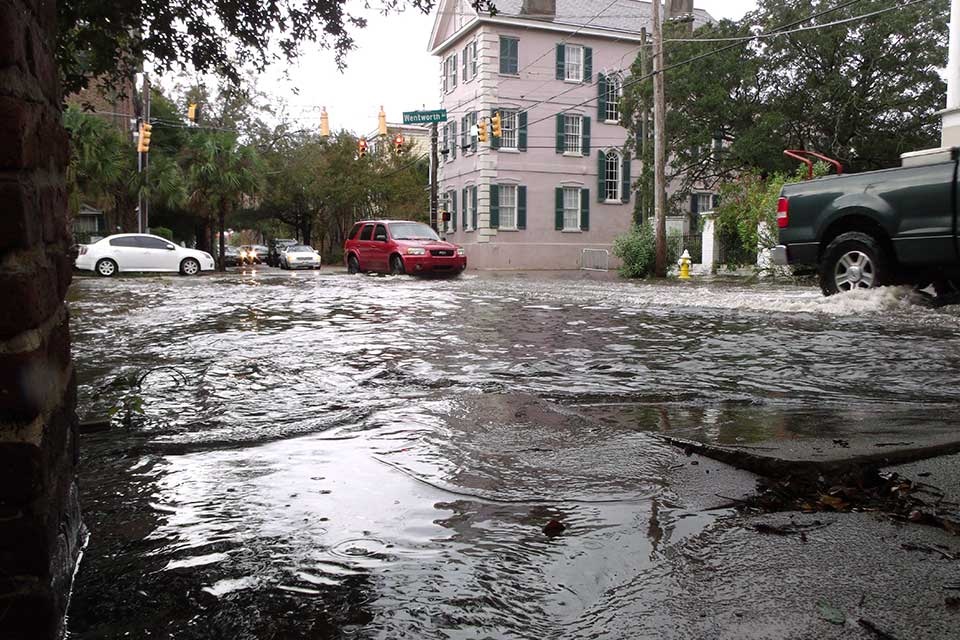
[111,38]
[863,92]
[220,176]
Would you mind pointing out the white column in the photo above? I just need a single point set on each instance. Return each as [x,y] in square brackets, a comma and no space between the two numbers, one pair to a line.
[708,247]
[950,135]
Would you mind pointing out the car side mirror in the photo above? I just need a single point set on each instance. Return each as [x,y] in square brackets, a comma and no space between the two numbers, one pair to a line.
[170,247]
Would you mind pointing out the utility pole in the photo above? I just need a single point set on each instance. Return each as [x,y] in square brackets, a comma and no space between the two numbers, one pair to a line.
[434,168]
[659,148]
[643,205]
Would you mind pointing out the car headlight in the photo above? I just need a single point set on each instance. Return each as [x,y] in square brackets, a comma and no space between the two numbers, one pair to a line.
[416,251]
[461,252]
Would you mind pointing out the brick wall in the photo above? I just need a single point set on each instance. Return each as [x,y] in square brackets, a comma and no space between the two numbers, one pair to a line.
[40,526]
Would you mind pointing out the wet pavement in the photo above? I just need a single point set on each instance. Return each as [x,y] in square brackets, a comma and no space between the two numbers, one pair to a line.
[316,455]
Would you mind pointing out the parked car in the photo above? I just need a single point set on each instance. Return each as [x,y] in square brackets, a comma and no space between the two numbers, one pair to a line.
[299,256]
[248,254]
[231,256]
[864,230]
[400,246]
[276,247]
[141,252]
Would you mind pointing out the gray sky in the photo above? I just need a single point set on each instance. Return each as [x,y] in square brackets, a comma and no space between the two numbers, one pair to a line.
[390,67]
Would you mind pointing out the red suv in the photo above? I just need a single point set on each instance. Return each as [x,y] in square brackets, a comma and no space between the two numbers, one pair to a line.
[400,246]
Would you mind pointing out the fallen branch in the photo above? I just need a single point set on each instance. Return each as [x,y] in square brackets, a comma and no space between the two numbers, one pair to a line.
[872,628]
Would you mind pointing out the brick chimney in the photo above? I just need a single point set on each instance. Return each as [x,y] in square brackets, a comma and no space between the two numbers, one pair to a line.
[539,8]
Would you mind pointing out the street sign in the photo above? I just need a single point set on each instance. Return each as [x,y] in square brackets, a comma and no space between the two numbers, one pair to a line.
[424,117]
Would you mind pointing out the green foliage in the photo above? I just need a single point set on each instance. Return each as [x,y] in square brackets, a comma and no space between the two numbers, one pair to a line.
[750,200]
[110,38]
[163,232]
[863,92]
[636,251]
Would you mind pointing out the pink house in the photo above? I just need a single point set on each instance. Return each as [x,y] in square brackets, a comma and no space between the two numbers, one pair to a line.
[558,179]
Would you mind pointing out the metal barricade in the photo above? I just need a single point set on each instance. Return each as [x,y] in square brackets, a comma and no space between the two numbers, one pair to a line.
[594,260]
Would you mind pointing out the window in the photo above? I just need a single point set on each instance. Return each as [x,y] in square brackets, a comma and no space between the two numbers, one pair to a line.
[355,231]
[474,140]
[573,59]
[381,233]
[468,208]
[367,232]
[614,89]
[612,178]
[126,241]
[571,209]
[154,243]
[508,129]
[509,55]
[508,206]
[700,202]
[572,133]
[444,141]
[469,62]
[450,73]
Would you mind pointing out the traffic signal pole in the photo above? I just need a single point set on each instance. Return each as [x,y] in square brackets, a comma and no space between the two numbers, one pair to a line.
[146,156]
[434,168]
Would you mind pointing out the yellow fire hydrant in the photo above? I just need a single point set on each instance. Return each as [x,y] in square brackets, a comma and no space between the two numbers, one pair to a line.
[685,261]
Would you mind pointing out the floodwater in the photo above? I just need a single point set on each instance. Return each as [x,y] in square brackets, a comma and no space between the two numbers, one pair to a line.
[329,456]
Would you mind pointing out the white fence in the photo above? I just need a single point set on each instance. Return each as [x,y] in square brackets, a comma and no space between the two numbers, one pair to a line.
[594,260]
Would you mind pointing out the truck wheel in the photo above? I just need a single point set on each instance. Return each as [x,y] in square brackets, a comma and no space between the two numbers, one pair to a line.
[853,260]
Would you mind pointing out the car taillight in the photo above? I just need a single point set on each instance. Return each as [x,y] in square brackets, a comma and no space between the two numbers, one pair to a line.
[783,216]
[83,251]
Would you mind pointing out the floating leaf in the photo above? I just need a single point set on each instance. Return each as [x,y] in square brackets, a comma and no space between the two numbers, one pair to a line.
[830,613]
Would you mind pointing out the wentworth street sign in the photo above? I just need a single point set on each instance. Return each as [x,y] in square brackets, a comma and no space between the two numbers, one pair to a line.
[424,117]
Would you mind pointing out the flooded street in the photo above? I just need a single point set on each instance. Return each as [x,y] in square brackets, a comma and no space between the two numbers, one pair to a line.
[317,455]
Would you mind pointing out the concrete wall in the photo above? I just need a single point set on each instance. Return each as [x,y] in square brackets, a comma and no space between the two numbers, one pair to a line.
[40,527]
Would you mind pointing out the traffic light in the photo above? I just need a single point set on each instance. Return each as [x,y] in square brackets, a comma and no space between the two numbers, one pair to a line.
[495,125]
[482,131]
[362,147]
[398,142]
[192,112]
[143,141]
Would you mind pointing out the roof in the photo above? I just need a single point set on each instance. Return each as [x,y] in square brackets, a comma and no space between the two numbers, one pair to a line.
[623,16]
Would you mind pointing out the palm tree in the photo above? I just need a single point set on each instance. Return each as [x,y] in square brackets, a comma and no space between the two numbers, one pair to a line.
[220,176]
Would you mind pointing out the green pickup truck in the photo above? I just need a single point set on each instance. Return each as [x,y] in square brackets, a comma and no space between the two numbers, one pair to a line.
[863,230]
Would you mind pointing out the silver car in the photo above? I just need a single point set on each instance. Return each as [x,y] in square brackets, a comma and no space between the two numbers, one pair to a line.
[299,256]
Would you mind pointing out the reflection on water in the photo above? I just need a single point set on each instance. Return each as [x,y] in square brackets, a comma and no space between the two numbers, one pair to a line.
[376,457]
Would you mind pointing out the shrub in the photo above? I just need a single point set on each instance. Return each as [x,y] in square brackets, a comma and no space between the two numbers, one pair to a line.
[163,232]
[636,250]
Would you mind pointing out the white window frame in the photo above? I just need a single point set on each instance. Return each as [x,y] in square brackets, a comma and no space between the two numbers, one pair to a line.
[450,71]
[569,214]
[614,94]
[613,177]
[572,71]
[572,134]
[451,195]
[703,196]
[512,207]
[510,132]
[468,209]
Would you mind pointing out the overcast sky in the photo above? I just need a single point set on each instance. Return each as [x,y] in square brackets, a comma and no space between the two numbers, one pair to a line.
[391,67]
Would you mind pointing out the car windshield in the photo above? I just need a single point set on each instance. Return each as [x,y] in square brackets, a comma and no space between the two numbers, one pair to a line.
[299,248]
[412,231]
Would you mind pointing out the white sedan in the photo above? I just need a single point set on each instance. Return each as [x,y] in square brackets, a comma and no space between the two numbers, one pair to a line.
[299,256]
[141,252]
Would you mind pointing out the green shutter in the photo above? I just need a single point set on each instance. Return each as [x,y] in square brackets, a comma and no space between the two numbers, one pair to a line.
[561,67]
[587,64]
[504,54]
[473,192]
[494,206]
[558,209]
[586,136]
[463,63]
[522,130]
[601,175]
[601,97]
[453,140]
[464,195]
[474,140]
[521,207]
[453,210]
[494,140]
[560,121]
[584,209]
[453,76]
[625,174]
